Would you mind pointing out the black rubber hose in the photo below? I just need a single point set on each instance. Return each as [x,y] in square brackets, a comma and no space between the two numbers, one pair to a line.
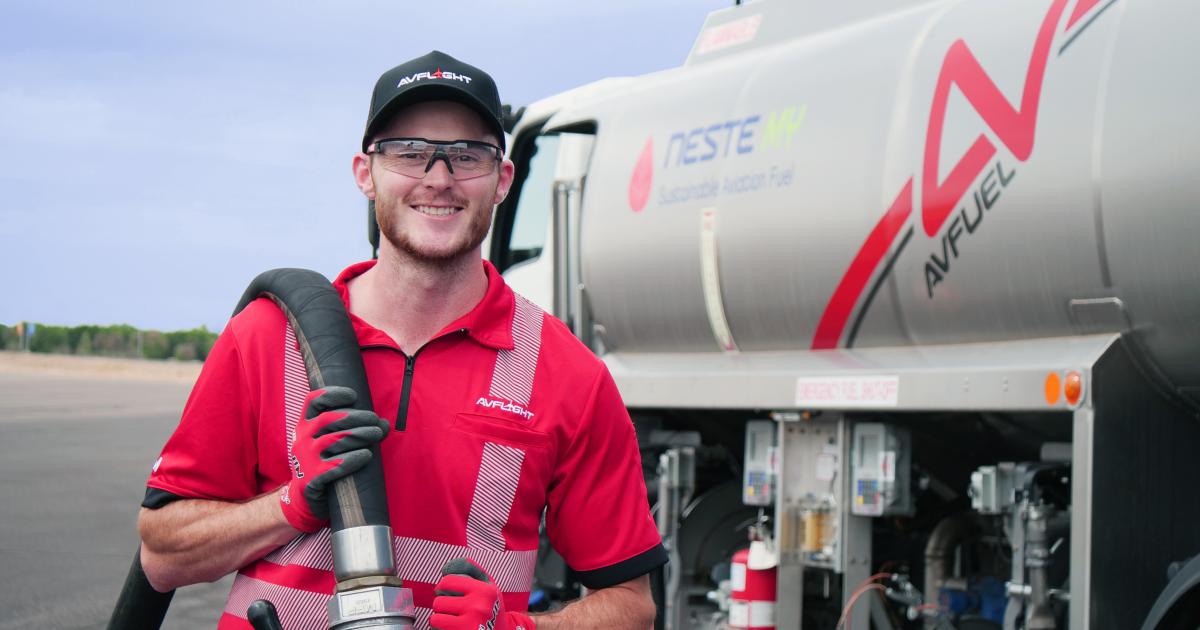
[331,357]
[262,616]
[139,605]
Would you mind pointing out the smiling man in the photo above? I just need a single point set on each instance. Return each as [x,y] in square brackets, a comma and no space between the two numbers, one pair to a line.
[491,418]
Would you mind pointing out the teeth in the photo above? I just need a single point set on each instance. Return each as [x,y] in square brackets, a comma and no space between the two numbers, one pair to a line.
[436,211]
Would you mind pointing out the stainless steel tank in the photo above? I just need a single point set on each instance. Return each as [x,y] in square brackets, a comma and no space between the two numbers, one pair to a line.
[940,173]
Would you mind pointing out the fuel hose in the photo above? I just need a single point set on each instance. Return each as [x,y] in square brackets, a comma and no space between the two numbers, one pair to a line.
[358,504]
[331,357]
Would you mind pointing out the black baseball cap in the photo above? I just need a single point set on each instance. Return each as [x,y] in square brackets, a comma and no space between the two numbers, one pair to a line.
[434,77]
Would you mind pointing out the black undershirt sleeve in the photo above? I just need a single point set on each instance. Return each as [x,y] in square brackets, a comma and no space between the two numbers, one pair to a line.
[156,498]
[625,570]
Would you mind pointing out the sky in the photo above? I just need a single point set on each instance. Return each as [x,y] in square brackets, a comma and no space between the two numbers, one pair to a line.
[156,156]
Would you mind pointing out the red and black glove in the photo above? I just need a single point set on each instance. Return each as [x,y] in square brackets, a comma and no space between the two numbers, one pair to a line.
[332,441]
[467,599]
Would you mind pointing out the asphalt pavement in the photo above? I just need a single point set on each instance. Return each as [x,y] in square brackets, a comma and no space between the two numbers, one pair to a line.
[75,450]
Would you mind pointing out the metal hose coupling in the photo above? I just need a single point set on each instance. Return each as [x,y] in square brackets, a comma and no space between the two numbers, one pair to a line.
[368,595]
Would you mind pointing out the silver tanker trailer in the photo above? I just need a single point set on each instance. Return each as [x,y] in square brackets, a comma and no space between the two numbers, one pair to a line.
[902,291]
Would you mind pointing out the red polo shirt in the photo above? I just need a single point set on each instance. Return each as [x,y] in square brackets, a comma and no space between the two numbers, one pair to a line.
[501,416]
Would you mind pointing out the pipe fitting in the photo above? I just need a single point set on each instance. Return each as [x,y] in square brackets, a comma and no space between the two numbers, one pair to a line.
[363,551]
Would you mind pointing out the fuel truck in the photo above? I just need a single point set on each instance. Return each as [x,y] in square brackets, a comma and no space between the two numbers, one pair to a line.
[900,297]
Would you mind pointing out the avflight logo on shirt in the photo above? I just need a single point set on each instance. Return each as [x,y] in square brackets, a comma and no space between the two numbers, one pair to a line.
[438,74]
[511,407]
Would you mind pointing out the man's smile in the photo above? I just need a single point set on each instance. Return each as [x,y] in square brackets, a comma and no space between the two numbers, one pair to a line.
[437,211]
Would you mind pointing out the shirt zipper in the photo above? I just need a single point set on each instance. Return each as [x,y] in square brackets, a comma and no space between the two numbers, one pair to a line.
[406,389]
[402,412]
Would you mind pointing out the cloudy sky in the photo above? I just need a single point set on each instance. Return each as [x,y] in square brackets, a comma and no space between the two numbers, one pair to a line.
[155,156]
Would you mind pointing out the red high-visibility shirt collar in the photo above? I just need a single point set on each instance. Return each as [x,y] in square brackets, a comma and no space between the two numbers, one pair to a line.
[489,322]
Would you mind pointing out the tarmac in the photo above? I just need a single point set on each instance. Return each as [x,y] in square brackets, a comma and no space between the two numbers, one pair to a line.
[77,438]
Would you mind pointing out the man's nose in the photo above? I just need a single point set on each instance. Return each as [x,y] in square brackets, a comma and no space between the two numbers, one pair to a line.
[438,175]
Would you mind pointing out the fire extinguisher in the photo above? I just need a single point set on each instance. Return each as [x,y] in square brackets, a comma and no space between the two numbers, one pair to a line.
[752,578]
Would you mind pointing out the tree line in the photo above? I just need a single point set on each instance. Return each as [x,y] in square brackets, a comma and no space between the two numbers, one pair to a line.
[120,340]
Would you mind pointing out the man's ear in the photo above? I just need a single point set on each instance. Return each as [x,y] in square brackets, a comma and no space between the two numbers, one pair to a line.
[361,166]
[505,182]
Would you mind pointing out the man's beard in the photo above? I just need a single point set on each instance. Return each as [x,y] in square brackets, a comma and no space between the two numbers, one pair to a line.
[387,209]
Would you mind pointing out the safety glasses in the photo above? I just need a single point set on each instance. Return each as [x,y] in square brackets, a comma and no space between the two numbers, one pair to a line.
[414,157]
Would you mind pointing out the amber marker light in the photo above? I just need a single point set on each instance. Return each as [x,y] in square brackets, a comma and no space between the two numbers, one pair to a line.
[1053,388]
[1073,389]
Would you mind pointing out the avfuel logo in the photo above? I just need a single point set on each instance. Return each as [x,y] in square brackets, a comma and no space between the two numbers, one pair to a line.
[717,140]
[1015,127]
[965,222]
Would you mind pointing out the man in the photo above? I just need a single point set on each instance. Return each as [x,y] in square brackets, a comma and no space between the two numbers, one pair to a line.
[490,414]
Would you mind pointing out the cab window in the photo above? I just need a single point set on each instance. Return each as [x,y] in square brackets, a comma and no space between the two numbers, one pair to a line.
[522,228]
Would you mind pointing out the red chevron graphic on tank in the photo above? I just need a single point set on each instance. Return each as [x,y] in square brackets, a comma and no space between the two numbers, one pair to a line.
[1015,127]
